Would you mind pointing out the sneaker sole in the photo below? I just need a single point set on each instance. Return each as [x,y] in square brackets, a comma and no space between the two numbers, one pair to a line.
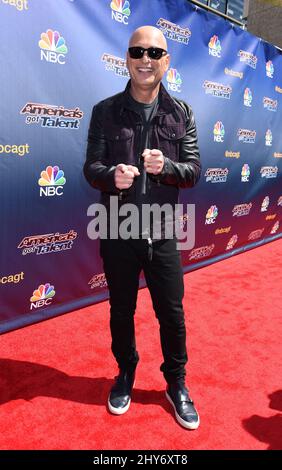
[119,411]
[181,421]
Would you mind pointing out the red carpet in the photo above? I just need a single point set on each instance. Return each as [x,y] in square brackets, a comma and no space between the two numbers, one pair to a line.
[55,375]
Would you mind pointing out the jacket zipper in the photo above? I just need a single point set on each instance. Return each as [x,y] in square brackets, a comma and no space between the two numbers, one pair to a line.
[150,248]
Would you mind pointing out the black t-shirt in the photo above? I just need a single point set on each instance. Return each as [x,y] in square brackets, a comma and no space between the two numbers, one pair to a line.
[147,112]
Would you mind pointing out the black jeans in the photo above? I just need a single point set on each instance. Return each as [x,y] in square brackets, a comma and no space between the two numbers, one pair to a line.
[123,261]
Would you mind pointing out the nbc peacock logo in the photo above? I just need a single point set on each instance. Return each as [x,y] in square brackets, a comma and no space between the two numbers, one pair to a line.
[265,204]
[214,46]
[218,132]
[268,138]
[42,296]
[51,181]
[211,215]
[53,47]
[248,97]
[120,10]
[275,228]
[233,240]
[245,173]
[269,69]
[174,80]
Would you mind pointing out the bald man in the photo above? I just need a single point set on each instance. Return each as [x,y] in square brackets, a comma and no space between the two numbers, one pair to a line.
[142,147]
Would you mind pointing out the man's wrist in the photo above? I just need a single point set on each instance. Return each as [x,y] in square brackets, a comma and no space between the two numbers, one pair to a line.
[165,167]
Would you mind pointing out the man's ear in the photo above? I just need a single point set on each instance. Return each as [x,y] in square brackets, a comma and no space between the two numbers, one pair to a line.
[167,59]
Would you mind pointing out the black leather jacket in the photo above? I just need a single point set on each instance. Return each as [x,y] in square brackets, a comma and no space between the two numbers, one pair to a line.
[114,137]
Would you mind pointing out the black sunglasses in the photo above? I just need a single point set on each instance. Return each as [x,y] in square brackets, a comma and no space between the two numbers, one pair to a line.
[153,52]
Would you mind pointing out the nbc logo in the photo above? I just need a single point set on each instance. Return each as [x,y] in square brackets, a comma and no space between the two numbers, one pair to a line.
[233,240]
[42,296]
[214,46]
[120,10]
[268,138]
[174,80]
[245,173]
[211,215]
[218,132]
[51,181]
[248,98]
[53,47]
[275,228]
[265,204]
[269,68]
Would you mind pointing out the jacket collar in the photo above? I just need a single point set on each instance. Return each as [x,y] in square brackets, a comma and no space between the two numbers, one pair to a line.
[166,103]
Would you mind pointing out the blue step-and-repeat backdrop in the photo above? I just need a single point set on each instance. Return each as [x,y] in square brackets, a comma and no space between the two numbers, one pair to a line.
[58,58]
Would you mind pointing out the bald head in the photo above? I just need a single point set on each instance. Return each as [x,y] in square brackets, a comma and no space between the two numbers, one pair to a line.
[146,71]
[148,35]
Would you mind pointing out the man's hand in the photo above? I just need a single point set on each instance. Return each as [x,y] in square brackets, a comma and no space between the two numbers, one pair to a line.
[124,175]
[153,161]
